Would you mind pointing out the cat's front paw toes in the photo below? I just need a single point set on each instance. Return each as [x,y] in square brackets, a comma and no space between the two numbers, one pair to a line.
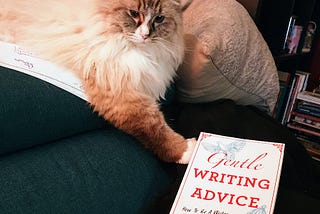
[186,156]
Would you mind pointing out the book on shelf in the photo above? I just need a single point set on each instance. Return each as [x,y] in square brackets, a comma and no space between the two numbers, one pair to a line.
[285,84]
[281,100]
[299,84]
[312,140]
[293,36]
[308,136]
[230,175]
[305,122]
[284,76]
[306,118]
[310,97]
[311,144]
[306,114]
[308,109]
[285,91]
[305,79]
[304,127]
[294,39]
[291,24]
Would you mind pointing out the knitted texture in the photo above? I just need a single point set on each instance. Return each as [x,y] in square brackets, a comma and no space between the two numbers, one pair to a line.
[226,57]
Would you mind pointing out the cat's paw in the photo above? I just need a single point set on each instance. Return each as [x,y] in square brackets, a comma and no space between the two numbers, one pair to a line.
[186,156]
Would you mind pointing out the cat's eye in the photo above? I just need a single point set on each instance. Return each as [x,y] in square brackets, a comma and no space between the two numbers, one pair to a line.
[159,19]
[133,13]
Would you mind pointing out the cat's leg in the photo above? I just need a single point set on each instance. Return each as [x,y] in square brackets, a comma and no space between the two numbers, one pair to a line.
[139,116]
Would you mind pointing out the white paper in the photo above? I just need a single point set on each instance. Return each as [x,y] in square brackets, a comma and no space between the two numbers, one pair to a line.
[20,59]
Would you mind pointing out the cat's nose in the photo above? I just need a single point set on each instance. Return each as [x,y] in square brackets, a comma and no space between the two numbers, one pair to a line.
[144,36]
[144,31]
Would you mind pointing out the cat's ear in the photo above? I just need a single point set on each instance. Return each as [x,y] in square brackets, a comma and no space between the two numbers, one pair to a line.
[185,4]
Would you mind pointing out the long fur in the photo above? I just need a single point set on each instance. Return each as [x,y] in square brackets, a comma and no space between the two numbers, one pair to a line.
[122,79]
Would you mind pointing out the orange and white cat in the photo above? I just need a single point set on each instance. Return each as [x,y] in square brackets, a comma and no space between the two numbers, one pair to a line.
[125,52]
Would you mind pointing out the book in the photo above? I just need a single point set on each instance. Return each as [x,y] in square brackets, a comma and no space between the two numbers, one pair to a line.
[288,98]
[311,143]
[230,175]
[301,128]
[308,109]
[298,85]
[284,76]
[309,97]
[287,40]
[25,61]
[306,117]
[294,39]
[284,83]
[281,100]
[306,122]
[306,76]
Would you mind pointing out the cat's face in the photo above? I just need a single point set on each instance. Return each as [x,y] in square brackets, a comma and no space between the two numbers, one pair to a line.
[144,21]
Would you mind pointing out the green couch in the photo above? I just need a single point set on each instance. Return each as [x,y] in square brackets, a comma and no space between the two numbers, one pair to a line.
[57,156]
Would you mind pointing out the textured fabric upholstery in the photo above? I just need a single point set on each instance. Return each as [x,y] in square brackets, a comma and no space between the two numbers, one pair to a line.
[34,112]
[226,57]
[103,171]
[57,156]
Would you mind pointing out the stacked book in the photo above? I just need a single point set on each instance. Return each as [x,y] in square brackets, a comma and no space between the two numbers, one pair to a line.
[290,86]
[305,121]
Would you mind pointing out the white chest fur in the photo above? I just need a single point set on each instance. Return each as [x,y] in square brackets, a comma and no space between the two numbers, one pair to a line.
[148,68]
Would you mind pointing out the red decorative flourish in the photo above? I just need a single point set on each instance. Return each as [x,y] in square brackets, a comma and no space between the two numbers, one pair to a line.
[279,146]
[205,135]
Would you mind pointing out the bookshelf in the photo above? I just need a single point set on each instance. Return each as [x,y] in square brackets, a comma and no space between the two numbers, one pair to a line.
[272,18]
[305,121]
[276,21]
[315,66]
[299,69]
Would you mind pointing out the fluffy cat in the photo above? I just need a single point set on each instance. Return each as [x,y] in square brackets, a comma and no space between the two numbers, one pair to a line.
[125,52]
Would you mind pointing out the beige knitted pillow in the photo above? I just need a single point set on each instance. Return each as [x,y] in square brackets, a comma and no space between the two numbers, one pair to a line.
[225,57]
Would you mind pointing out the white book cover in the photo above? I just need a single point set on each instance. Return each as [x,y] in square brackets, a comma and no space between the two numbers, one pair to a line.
[309,97]
[229,175]
[23,60]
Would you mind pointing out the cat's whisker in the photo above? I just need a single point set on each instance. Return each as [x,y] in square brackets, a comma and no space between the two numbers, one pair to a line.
[167,49]
[166,44]
[165,41]
[186,49]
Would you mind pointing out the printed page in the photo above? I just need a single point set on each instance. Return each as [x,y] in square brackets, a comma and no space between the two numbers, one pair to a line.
[23,60]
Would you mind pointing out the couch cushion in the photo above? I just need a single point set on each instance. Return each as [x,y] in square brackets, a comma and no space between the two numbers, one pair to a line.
[34,112]
[103,171]
[226,57]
